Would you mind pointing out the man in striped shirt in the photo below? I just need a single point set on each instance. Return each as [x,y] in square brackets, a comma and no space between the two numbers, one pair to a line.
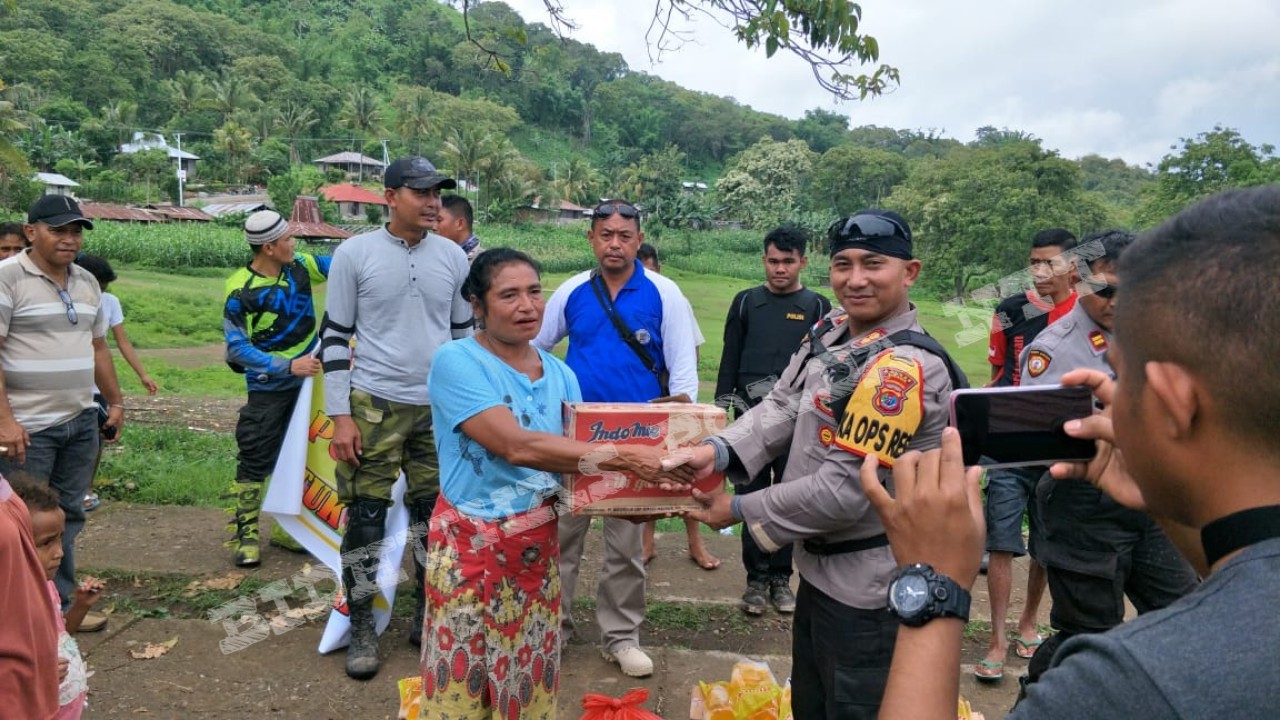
[52,351]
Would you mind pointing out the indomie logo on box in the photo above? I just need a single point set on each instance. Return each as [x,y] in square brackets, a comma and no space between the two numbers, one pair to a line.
[634,431]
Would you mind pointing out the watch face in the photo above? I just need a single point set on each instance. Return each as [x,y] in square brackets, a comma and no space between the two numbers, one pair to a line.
[910,594]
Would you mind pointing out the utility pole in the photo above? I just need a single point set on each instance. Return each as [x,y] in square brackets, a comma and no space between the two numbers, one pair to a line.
[182,173]
[386,159]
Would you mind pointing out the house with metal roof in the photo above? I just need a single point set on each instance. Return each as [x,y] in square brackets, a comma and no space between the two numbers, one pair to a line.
[353,200]
[239,208]
[182,159]
[307,223]
[353,164]
[56,184]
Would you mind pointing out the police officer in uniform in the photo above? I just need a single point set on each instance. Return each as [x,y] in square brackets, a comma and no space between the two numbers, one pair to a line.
[866,380]
[764,327]
[1095,551]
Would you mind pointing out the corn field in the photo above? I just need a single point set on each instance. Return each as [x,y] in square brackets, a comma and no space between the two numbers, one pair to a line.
[558,248]
[168,245]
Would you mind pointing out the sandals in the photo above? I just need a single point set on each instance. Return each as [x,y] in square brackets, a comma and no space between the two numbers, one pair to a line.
[1025,649]
[989,670]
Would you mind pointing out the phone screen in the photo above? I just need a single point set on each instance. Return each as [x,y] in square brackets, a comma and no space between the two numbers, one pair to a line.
[1012,427]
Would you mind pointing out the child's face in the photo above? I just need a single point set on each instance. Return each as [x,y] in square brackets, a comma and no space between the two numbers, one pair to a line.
[11,245]
[47,526]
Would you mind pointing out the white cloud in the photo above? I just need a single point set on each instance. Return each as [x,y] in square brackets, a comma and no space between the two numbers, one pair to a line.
[1116,78]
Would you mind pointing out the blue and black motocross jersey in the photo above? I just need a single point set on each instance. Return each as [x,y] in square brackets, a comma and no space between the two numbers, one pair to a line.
[269,321]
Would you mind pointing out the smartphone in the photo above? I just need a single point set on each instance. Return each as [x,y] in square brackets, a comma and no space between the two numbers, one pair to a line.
[1021,426]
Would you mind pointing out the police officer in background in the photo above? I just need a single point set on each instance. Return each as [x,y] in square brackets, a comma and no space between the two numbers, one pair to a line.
[865,380]
[1094,550]
[765,325]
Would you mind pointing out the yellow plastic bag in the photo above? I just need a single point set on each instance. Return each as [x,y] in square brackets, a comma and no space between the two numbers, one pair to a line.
[410,697]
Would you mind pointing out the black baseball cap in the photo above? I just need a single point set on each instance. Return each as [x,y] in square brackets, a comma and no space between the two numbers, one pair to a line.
[417,173]
[56,211]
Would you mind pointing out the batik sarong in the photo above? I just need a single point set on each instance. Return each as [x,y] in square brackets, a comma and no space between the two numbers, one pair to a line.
[490,635]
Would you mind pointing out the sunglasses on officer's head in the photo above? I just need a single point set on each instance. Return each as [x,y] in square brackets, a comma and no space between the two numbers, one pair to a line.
[609,208]
[864,226]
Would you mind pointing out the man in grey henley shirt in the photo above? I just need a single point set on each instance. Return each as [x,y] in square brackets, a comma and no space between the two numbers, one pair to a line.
[397,292]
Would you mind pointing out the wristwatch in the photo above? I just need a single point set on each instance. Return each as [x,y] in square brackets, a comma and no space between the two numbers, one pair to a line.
[918,595]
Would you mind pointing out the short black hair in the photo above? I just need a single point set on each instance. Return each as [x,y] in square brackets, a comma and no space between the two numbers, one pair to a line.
[1054,237]
[647,252]
[486,266]
[13,228]
[788,238]
[1104,248]
[460,206]
[39,496]
[98,267]
[1199,291]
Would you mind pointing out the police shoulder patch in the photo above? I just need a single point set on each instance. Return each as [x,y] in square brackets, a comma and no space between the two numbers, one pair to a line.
[885,410]
[1098,342]
[870,337]
[1037,362]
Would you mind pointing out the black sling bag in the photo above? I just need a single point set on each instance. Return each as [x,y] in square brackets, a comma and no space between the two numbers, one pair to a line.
[628,336]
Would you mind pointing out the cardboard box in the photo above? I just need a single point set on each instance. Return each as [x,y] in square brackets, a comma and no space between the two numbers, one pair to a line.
[670,425]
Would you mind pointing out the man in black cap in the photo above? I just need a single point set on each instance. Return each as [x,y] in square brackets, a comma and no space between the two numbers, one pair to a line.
[53,350]
[398,292]
[866,380]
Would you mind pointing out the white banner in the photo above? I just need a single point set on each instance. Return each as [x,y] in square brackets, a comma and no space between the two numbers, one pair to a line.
[303,499]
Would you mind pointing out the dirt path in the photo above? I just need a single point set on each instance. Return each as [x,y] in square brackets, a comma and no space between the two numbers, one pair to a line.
[185,411]
[188,357]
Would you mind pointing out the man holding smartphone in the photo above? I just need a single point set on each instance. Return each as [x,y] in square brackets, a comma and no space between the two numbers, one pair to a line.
[1186,436]
[1018,320]
[866,380]
[1095,551]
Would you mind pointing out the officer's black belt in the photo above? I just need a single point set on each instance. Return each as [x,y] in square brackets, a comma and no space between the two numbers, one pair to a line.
[818,546]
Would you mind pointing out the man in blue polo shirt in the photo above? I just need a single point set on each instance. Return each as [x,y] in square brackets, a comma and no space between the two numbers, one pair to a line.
[630,340]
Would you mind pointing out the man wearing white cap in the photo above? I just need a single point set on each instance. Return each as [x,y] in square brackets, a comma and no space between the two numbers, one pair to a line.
[269,321]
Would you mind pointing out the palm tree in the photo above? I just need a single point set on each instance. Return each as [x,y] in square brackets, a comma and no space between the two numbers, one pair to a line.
[231,93]
[120,116]
[12,124]
[264,121]
[361,115]
[576,181]
[414,119]
[466,151]
[236,141]
[295,120]
[188,91]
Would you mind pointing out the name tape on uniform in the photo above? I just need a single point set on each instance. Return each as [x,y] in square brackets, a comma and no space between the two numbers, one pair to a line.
[886,408]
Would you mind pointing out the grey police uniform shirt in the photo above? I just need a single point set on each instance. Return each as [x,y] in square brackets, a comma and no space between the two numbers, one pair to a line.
[821,493]
[1071,343]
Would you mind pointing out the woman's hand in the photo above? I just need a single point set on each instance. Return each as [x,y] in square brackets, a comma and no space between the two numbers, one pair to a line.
[646,462]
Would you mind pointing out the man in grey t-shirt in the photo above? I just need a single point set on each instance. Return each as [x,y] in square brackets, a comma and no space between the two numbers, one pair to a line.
[397,292]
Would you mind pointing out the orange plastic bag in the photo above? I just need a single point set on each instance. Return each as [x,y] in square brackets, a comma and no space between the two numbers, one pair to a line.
[627,707]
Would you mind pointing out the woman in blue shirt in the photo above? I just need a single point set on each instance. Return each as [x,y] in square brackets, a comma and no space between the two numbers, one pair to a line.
[491,634]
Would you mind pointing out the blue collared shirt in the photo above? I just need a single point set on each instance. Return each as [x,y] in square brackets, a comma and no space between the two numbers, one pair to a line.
[607,368]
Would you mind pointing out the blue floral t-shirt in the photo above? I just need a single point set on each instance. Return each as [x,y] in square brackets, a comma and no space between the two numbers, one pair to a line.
[466,380]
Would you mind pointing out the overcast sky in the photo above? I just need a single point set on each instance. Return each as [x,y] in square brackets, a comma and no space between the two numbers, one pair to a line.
[1121,78]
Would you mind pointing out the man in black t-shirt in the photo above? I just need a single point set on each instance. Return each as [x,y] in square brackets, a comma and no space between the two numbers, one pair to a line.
[1010,491]
[764,328]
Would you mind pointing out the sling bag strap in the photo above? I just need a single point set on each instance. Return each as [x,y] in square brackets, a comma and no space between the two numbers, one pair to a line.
[627,335]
